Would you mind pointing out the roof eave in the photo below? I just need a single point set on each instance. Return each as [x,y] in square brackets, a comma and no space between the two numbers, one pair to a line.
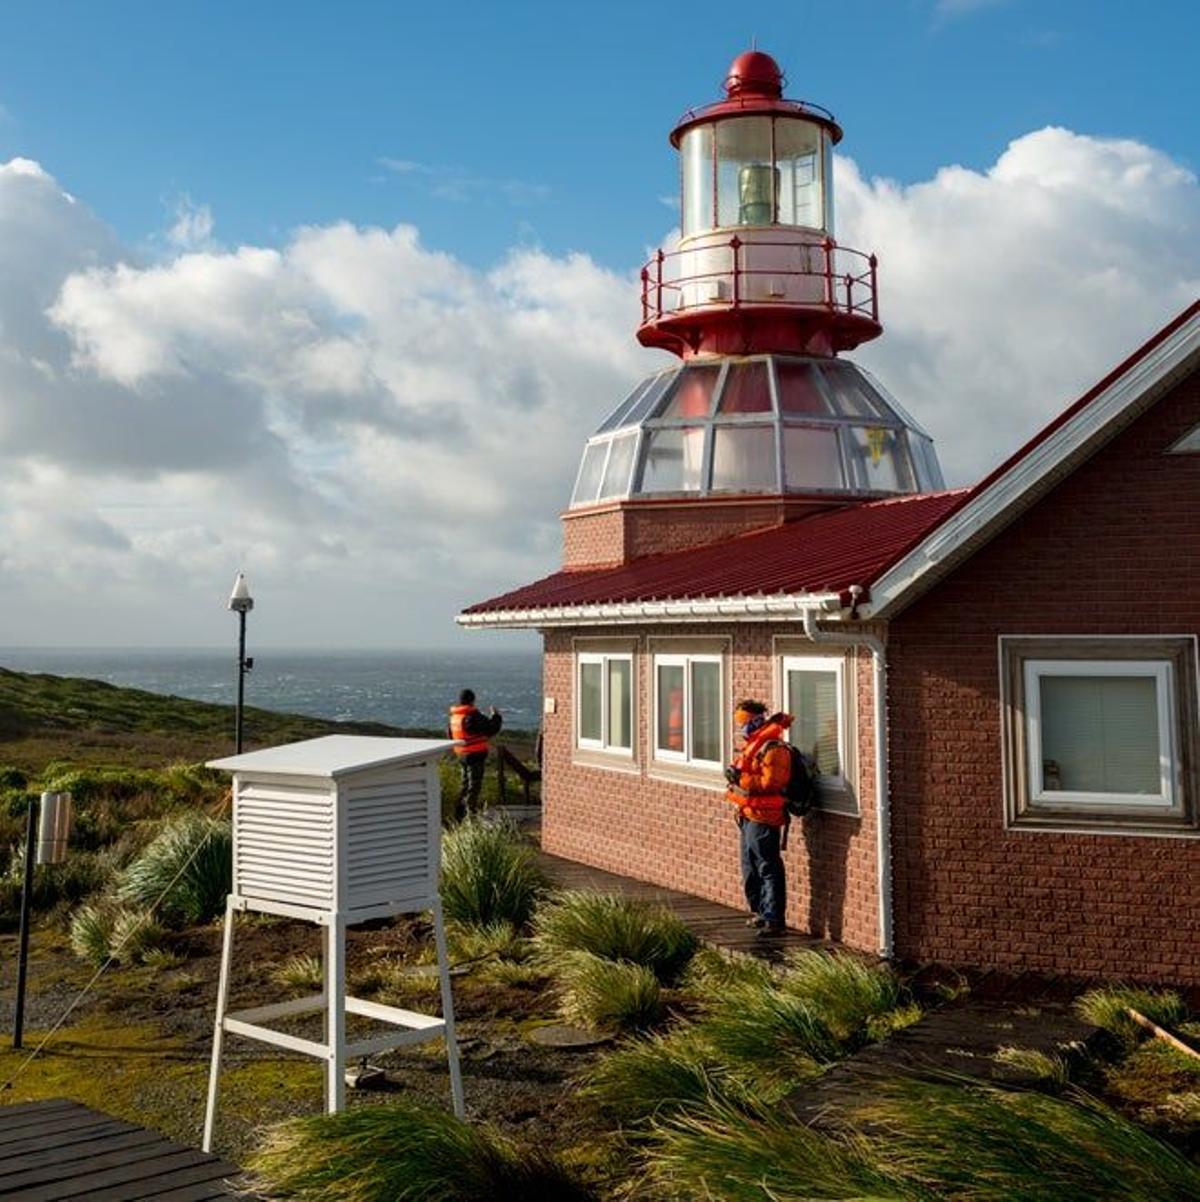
[783,607]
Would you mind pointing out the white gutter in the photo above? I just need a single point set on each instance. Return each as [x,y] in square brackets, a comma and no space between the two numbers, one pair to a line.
[782,607]
[883,805]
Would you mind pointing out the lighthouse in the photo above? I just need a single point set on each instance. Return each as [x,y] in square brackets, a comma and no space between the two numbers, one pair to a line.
[762,420]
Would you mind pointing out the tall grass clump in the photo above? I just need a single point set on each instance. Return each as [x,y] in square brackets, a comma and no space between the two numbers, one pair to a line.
[846,992]
[609,995]
[189,864]
[405,1152]
[615,928]
[756,1153]
[651,1078]
[490,874]
[104,929]
[992,1145]
[1107,1008]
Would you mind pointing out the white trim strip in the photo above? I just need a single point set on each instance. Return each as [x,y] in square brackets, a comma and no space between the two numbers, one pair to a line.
[781,607]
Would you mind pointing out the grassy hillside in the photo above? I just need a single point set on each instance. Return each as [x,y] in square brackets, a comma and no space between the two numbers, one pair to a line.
[44,718]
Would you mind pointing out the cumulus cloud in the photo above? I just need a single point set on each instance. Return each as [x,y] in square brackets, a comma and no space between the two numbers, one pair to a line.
[379,433]
[193,225]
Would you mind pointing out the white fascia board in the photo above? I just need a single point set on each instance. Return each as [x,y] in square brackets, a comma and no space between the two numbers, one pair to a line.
[784,607]
[1038,466]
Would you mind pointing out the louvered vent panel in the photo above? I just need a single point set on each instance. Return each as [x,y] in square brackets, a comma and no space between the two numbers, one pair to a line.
[388,854]
[285,844]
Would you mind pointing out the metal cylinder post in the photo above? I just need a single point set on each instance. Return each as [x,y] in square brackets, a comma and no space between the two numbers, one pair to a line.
[241,676]
[26,900]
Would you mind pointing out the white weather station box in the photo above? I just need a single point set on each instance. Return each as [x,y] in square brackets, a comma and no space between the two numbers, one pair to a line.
[336,831]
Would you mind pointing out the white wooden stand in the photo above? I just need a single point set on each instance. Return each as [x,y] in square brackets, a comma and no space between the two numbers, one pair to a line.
[335,831]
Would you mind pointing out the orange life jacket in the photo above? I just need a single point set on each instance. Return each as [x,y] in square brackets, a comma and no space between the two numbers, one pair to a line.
[467,744]
[763,774]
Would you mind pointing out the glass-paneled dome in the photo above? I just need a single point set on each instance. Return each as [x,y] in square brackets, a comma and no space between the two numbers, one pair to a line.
[768,424]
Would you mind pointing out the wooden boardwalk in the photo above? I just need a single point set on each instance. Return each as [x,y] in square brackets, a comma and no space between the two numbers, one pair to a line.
[715,924]
[61,1150]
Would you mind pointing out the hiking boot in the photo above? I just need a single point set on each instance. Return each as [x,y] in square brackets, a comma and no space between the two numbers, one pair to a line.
[756,921]
[769,930]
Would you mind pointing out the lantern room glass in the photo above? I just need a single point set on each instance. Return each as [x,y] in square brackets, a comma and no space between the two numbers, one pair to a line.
[766,170]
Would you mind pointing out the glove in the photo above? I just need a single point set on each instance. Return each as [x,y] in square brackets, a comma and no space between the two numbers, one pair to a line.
[733,776]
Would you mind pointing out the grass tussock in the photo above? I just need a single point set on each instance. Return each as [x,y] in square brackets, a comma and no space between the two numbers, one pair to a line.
[1161,1086]
[405,1152]
[105,929]
[490,875]
[615,928]
[609,995]
[845,991]
[300,972]
[186,871]
[1108,1008]
[1045,1069]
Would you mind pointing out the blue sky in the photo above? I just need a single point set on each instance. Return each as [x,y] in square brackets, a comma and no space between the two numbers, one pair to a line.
[334,293]
[541,122]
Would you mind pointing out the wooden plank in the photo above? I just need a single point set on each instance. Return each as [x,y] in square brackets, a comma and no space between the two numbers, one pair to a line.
[38,1121]
[123,1183]
[205,1191]
[81,1160]
[32,1139]
[204,1170]
[15,1109]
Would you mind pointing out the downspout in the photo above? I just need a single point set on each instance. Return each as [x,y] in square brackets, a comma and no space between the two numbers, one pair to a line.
[883,806]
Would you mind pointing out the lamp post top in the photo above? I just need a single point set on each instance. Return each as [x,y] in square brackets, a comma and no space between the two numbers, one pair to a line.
[240,600]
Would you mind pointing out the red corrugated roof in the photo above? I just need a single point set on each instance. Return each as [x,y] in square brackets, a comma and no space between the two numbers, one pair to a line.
[827,552]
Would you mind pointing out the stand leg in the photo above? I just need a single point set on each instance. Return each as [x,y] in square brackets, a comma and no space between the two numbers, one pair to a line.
[335,1010]
[214,1072]
[443,955]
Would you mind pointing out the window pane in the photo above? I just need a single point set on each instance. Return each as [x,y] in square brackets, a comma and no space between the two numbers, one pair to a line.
[799,389]
[620,703]
[590,683]
[617,417]
[1100,734]
[669,691]
[696,154]
[620,465]
[813,704]
[744,459]
[746,390]
[745,179]
[929,473]
[692,394]
[588,484]
[850,394]
[877,459]
[811,459]
[706,711]
[646,402]
[797,152]
[673,460]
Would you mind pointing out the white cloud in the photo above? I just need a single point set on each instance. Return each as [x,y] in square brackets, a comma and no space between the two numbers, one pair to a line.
[460,185]
[193,225]
[379,433]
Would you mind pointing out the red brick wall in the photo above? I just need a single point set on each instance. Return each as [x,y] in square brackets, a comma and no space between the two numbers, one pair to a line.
[1114,549]
[684,837]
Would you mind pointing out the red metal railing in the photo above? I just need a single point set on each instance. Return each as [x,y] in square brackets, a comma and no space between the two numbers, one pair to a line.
[828,277]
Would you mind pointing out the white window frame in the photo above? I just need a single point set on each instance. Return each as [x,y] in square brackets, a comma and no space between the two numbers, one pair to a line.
[823,663]
[602,744]
[685,660]
[1167,798]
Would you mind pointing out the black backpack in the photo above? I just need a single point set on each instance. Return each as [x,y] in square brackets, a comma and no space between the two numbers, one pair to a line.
[800,792]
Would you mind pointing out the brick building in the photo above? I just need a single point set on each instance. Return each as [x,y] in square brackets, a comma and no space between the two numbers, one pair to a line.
[998,684]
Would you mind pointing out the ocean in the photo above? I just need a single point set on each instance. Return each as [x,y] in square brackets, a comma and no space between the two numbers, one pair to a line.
[402,688]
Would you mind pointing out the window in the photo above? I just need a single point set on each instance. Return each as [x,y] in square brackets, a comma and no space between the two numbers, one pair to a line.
[1100,732]
[604,712]
[814,694]
[688,709]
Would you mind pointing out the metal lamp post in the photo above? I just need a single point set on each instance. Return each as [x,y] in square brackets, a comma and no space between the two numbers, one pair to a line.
[241,603]
[50,847]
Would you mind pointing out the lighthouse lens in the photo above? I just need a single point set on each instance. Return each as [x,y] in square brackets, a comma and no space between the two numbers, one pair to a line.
[744,171]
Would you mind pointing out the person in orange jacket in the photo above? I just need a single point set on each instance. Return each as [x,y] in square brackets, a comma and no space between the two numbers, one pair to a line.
[757,779]
[471,731]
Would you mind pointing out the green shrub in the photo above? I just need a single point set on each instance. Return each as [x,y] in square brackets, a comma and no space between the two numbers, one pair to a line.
[846,992]
[189,865]
[1106,1008]
[650,1078]
[12,777]
[405,1152]
[615,928]
[490,874]
[775,1038]
[608,995]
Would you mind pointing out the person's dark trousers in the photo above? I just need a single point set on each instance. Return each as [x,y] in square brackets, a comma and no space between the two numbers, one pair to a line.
[762,870]
[471,767]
